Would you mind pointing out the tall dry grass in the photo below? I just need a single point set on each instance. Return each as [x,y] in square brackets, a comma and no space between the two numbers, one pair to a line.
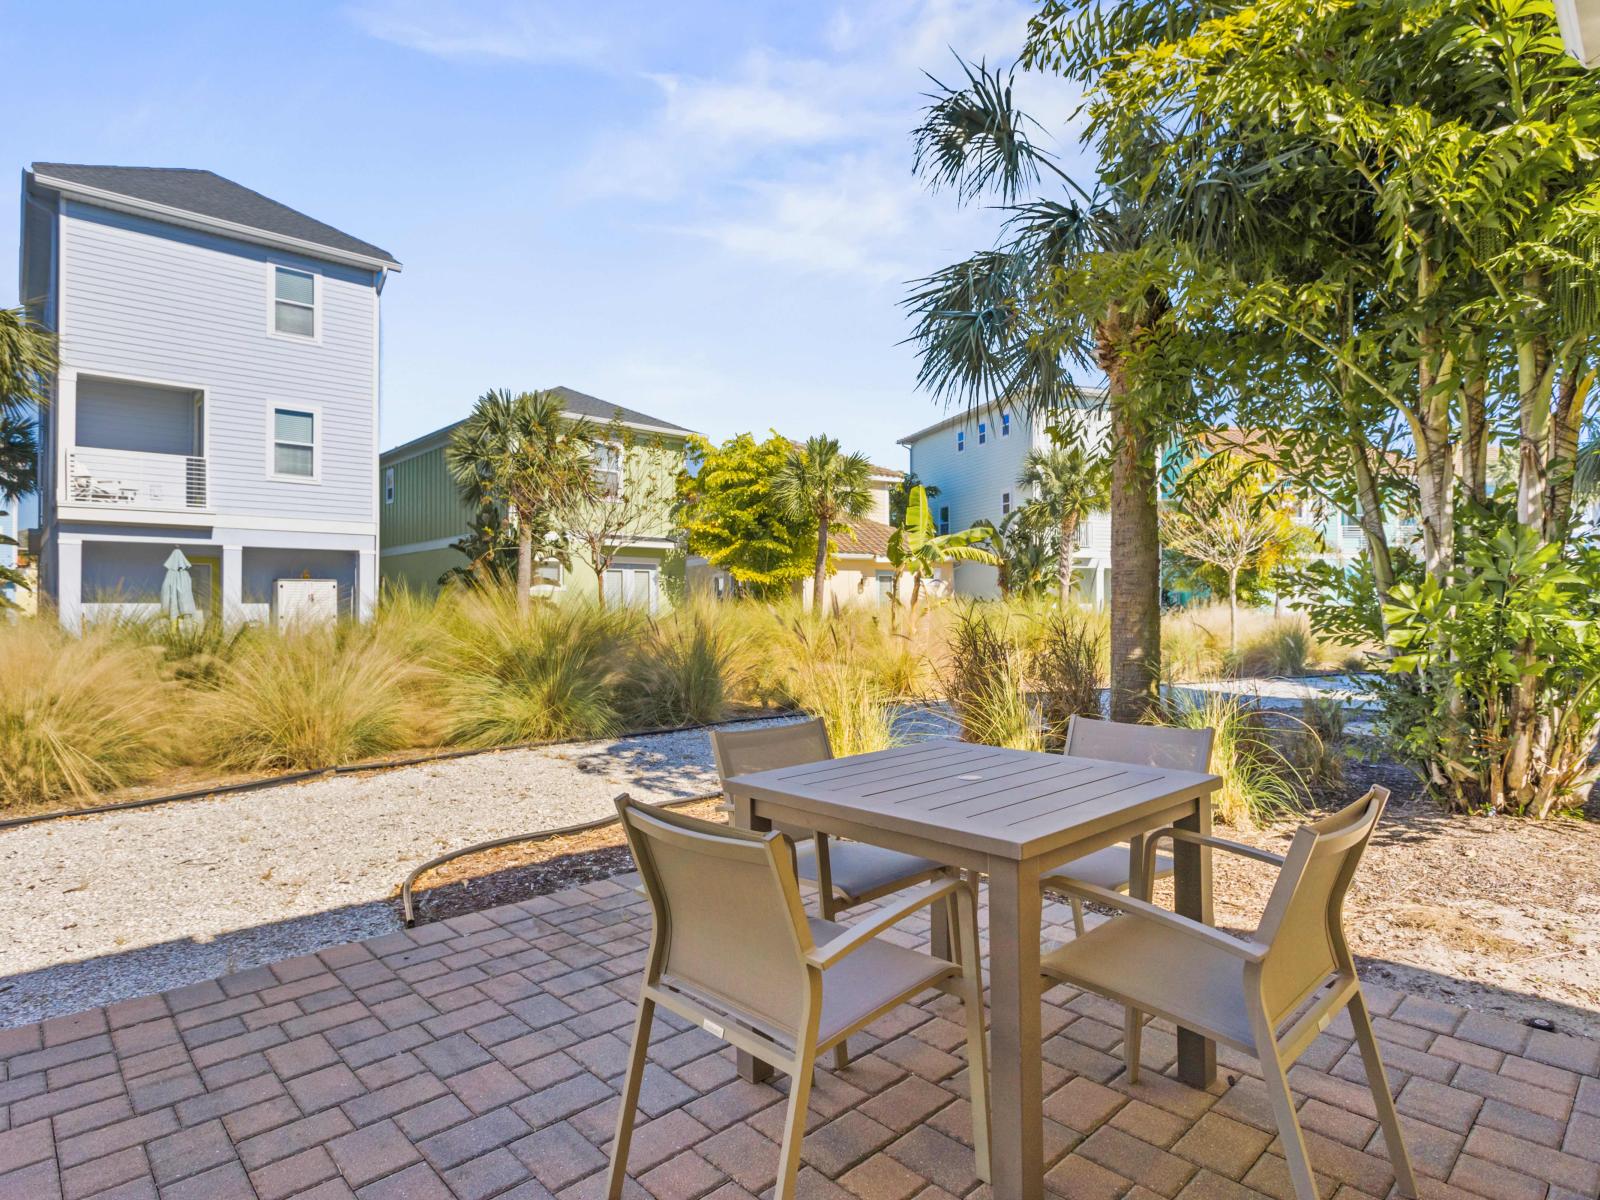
[1259,781]
[80,715]
[1194,645]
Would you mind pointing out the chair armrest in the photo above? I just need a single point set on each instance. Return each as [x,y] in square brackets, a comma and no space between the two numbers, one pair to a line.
[1199,839]
[858,936]
[1145,911]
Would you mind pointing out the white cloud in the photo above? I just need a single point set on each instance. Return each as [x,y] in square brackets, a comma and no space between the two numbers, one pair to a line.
[504,29]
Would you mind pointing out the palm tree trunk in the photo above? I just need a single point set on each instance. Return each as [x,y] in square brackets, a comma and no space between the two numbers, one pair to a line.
[819,576]
[1069,533]
[524,567]
[1135,542]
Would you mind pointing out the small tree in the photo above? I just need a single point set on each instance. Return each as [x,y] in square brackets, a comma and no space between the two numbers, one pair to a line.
[732,517]
[630,495]
[27,356]
[1068,484]
[821,485]
[522,455]
[1229,518]
[916,549]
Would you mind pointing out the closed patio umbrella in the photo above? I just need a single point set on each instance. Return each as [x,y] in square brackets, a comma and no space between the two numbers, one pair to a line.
[177,589]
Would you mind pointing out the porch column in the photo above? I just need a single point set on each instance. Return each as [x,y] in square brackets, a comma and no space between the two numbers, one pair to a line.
[1100,587]
[232,586]
[69,582]
[366,584]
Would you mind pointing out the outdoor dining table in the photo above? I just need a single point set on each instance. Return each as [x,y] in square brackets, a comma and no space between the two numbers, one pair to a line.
[1013,815]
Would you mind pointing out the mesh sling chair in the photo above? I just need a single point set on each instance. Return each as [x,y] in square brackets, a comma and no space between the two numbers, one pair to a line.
[733,951]
[1244,993]
[844,873]
[1140,745]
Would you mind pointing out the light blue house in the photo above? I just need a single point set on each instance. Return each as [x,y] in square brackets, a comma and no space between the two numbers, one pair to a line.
[217,392]
[975,459]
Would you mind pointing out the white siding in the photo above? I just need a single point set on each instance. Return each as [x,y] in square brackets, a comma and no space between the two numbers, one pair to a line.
[147,301]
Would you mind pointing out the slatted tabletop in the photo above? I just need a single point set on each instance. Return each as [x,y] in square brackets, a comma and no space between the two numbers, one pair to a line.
[1010,803]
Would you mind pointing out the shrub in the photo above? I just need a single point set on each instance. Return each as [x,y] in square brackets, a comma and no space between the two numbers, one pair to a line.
[816,668]
[1258,780]
[551,673]
[987,683]
[78,715]
[310,698]
[1318,746]
[1065,668]
[685,669]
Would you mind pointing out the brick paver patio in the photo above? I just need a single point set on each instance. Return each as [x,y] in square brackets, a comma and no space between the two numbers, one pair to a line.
[478,1057]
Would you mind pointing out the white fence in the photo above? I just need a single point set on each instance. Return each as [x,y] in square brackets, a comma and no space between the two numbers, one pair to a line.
[134,479]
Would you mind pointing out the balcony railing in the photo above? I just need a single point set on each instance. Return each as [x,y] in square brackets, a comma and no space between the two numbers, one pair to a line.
[136,480]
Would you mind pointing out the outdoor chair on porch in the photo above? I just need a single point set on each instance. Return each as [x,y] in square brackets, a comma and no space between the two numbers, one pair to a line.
[733,951]
[1248,993]
[845,873]
[1139,745]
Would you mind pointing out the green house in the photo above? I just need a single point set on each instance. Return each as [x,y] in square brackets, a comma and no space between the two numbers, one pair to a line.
[422,512]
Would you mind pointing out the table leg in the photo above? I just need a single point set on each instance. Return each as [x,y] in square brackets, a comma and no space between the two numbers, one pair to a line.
[751,1068]
[1197,1055]
[1016,1092]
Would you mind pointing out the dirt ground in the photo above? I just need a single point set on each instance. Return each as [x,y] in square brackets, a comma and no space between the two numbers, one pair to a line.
[1495,914]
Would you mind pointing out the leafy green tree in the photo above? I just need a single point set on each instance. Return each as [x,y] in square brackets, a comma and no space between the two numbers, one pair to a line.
[1068,483]
[520,454]
[821,485]
[1026,550]
[27,357]
[732,517]
[918,549]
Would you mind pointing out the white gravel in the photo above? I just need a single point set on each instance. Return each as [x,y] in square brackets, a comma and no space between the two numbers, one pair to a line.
[100,908]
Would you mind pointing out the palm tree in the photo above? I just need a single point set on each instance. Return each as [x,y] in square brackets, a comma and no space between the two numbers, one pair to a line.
[1068,484]
[521,454]
[820,483]
[914,547]
[27,358]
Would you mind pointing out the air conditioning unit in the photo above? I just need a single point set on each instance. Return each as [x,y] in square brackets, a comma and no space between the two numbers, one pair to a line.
[304,602]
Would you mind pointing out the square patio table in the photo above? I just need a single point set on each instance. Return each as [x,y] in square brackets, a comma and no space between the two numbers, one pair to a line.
[1014,815]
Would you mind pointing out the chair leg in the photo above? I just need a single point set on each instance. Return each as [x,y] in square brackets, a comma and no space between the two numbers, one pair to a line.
[628,1105]
[794,1125]
[1382,1098]
[1282,1101]
[966,931]
[1077,916]
[828,907]
[1132,1041]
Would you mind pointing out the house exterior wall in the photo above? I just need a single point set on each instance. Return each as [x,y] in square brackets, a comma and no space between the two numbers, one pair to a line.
[146,310]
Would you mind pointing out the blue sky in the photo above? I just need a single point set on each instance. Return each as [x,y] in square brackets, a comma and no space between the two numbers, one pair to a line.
[702,210]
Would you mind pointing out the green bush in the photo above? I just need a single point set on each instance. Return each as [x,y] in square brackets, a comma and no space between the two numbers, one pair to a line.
[987,683]
[686,669]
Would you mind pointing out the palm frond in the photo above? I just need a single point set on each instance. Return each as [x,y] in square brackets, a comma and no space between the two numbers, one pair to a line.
[973,139]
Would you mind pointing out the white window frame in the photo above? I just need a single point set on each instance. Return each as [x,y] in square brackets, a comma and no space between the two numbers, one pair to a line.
[983,433]
[617,449]
[272,303]
[317,437]
[1005,504]
[1005,424]
[388,481]
[560,584]
[961,440]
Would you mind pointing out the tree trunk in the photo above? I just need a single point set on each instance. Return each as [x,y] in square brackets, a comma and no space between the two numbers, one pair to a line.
[1135,542]
[1069,534]
[1435,458]
[911,612]
[1474,425]
[600,569]
[524,568]
[1566,423]
[819,575]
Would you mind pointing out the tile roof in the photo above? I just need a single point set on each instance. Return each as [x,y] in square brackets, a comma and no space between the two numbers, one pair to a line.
[207,194]
[866,537]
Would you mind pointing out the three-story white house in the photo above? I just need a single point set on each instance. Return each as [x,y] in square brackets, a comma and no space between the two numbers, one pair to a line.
[217,392]
[976,459]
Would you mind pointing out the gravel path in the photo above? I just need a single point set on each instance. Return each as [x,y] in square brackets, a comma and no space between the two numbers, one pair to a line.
[100,908]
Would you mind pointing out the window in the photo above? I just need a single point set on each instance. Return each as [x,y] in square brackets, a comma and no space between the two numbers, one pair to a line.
[1005,503]
[1005,424]
[294,302]
[961,440]
[388,485]
[944,518]
[983,433]
[547,573]
[294,443]
[608,469]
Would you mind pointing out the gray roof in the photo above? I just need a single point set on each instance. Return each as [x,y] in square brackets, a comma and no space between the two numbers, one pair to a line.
[575,403]
[207,194]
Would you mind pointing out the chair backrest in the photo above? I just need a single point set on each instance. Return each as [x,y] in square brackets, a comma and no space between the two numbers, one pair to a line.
[744,751]
[730,928]
[1143,745]
[1303,923]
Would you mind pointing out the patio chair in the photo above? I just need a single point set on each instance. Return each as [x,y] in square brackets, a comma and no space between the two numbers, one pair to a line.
[1268,995]
[733,951]
[1141,745]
